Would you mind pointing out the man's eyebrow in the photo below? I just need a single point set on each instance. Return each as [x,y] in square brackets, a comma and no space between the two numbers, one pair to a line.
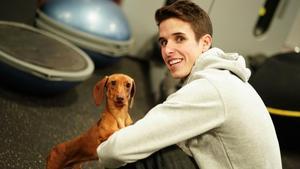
[177,33]
[173,34]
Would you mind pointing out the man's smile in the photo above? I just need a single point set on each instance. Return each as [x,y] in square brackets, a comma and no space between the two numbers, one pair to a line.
[174,61]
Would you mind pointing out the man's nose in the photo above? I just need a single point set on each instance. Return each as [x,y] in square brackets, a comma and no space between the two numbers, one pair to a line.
[169,48]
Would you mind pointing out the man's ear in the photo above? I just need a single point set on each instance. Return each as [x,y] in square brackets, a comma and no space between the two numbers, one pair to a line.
[205,42]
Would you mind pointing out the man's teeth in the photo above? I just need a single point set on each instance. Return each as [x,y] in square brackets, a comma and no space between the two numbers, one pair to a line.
[174,61]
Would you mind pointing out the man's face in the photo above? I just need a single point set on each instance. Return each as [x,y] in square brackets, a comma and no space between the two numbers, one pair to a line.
[179,48]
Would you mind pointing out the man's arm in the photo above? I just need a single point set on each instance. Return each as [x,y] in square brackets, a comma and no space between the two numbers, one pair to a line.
[185,114]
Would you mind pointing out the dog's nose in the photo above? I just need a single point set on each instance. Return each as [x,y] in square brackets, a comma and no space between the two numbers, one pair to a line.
[120,98]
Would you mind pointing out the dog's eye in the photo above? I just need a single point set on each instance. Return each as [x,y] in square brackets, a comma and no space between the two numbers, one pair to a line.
[113,82]
[128,85]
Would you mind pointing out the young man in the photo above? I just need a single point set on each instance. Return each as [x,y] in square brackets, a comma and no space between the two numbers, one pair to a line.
[217,118]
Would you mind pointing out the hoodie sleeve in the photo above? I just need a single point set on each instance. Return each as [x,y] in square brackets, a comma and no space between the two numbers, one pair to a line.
[191,111]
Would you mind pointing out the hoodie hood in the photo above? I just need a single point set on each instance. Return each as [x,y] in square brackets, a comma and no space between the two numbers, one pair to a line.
[215,58]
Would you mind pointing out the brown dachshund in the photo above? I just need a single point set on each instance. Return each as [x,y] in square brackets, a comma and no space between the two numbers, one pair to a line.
[120,90]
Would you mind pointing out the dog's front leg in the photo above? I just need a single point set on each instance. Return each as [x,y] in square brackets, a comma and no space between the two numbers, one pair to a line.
[121,123]
[128,121]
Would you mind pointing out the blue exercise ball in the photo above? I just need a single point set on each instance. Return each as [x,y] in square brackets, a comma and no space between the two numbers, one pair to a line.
[99,27]
[103,18]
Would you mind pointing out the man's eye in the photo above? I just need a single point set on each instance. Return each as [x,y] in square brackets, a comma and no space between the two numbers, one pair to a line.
[180,39]
[162,42]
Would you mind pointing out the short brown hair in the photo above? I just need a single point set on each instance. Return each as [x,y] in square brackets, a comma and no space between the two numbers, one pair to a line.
[189,12]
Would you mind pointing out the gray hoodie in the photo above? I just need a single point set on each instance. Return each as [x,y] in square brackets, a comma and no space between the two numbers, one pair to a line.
[216,117]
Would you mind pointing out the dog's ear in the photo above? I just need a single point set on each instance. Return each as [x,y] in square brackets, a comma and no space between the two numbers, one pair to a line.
[132,93]
[98,91]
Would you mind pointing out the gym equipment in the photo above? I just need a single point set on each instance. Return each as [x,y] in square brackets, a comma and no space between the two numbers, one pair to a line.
[97,26]
[277,81]
[253,27]
[38,62]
